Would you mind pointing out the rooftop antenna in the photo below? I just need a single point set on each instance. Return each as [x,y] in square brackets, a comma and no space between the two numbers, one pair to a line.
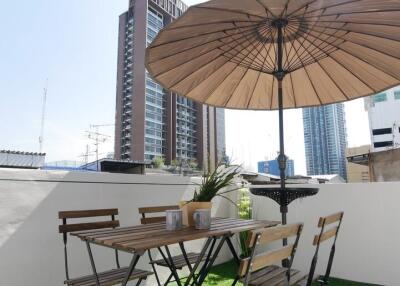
[41,137]
[98,138]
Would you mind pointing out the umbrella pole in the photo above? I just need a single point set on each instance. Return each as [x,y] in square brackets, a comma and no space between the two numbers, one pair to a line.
[280,74]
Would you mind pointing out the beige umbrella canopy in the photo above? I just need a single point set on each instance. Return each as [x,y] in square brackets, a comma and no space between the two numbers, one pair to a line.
[225,52]
[277,54]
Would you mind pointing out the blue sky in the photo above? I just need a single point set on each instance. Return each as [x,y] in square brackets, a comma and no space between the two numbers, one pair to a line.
[73,43]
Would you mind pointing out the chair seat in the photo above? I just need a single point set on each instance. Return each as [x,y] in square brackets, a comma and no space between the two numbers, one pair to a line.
[108,278]
[275,276]
[179,260]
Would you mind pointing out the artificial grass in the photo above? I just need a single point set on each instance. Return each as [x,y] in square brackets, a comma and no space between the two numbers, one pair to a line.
[223,275]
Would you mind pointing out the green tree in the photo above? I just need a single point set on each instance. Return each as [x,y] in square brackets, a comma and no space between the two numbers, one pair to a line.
[158,162]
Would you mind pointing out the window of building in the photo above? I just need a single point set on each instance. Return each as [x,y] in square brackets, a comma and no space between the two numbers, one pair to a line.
[382,131]
[381,97]
[383,144]
[397,94]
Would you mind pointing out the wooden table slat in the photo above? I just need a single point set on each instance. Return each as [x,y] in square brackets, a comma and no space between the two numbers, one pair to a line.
[143,237]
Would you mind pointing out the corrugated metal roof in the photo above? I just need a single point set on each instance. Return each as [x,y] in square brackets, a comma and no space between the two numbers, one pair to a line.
[21,159]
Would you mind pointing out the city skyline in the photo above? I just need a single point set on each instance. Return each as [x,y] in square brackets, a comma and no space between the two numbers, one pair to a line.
[77,52]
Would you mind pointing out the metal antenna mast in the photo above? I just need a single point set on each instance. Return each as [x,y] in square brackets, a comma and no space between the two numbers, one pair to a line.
[98,138]
[41,137]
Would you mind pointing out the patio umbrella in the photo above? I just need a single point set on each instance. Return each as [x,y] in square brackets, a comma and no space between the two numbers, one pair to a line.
[278,54]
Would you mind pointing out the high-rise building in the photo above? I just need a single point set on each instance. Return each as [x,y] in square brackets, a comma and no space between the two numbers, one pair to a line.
[384,119]
[272,167]
[325,140]
[150,121]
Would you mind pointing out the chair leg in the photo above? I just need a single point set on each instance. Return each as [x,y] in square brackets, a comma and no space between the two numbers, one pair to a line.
[329,267]
[139,281]
[168,280]
[235,281]
[154,268]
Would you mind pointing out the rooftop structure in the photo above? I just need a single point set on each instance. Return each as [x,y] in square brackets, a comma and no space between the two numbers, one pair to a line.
[272,167]
[357,170]
[17,159]
[384,119]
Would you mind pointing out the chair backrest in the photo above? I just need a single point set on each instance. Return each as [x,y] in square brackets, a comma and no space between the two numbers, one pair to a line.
[265,236]
[329,228]
[66,227]
[144,211]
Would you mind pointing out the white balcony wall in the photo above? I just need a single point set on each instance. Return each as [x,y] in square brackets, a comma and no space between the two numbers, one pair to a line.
[368,246]
[31,249]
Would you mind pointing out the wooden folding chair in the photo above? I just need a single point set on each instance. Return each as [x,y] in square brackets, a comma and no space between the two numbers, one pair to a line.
[107,278]
[179,261]
[323,236]
[262,269]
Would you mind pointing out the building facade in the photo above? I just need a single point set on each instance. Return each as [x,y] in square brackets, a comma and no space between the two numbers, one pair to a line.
[150,121]
[357,170]
[384,119]
[325,140]
[272,167]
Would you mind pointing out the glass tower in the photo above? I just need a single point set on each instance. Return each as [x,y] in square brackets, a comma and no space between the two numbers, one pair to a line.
[325,140]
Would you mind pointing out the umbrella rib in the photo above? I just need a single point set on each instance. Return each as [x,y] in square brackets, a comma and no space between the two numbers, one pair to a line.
[210,23]
[295,35]
[355,43]
[267,10]
[309,78]
[365,33]
[341,90]
[330,6]
[355,12]
[258,50]
[201,66]
[204,34]
[284,10]
[238,43]
[300,8]
[237,64]
[378,68]
[290,75]
[313,43]
[252,92]
[259,74]
[296,50]
[248,41]
[351,72]
[229,10]
[203,44]
[227,60]
[347,22]
[272,37]
[237,85]
[265,62]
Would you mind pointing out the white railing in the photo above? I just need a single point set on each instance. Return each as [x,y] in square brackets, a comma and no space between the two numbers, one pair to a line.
[31,250]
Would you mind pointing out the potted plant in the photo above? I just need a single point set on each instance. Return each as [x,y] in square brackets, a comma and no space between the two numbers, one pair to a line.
[212,183]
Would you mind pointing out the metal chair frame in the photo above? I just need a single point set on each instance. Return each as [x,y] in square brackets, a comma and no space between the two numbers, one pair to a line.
[168,258]
[255,243]
[318,239]
[113,223]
